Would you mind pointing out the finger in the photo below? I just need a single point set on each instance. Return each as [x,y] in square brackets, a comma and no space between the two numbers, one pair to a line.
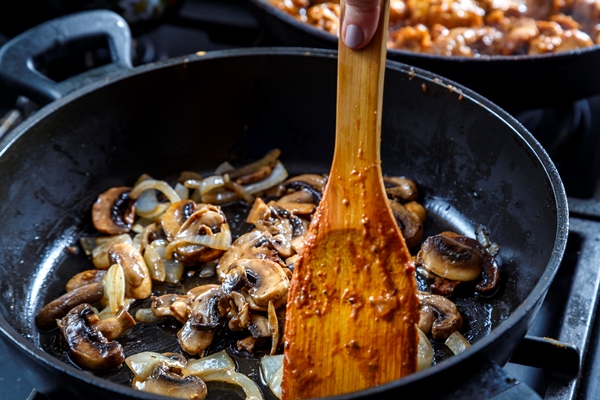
[360,22]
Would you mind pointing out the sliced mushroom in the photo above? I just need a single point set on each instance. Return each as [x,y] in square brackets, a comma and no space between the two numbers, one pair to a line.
[114,327]
[114,211]
[88,348]
[408,222]
[137,277]
[254,244]
[471,260]
[443,287]
[166,379]
[172,305]
[259,174]
[194,341]
[203,237]
[205,312]
[103,245]
[449,258]
[312,183]
[438,315]
[417,209]
[263,280]
[204,318]
[401,188]
[175,216]
[283,226]
[300,202]
[58,308]
[85,278]
[239,317]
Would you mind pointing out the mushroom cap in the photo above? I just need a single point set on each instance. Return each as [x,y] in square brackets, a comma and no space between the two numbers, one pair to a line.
[450,258]
[206,220]
[137,277]
[409,223]
[58,308]
[114,211]
[166,382]
[254,244]
[264,280]
[85,278]
[401,188]
[175,216]
[88,348]
[438,315]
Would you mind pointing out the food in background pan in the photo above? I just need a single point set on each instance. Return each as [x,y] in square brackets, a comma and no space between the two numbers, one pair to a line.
[472,28]
[216,276]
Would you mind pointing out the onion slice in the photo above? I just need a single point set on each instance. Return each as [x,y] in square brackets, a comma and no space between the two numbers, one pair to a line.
[114,287]
[278,175]
[249,387]
[161,186]
[216,362]
[457,342]
[142,364]
[219,367]
[272,372]
[424,352]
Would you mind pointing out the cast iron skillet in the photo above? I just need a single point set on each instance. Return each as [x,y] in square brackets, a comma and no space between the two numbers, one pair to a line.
[474,165]
[515,83]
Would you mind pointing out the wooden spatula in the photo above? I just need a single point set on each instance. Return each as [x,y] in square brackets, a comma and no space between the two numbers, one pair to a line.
[352,307]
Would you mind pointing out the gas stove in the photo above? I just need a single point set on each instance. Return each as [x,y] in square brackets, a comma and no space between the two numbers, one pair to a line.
[571,136]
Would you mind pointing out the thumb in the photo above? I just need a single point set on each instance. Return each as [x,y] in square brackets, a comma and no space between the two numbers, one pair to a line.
[360,22]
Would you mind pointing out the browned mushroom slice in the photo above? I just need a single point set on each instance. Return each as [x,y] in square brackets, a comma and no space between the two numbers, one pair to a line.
[408,222]
[114,211]
[85,278]
[172,305]
[162,374]
[175,216]
[400,188]
[137,277]
[203,237]
[312,183]
[254,244]
[113,327]
[417,209]
[488,266]
[58,308]
[168,383]
[204,318]
[300,202]
[103,245]
[239,317]
[263,280]
[446,257]
[285,227]
[88,348]
[438,315]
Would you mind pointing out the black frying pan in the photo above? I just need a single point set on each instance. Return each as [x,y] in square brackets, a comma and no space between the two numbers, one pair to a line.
[515,83]
[474,165]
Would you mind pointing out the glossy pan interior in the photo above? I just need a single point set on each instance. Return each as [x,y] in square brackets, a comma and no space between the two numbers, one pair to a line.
[473,163]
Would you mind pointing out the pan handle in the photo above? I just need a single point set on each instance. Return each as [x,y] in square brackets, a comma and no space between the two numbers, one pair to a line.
[18,57]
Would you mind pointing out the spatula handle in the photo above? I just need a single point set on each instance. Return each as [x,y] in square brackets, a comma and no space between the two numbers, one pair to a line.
[360,94]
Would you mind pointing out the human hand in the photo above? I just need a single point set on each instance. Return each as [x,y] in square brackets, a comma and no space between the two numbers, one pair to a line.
[360,22]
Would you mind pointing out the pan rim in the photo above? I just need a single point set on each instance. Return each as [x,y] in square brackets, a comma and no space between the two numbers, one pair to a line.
[332,40]
[532,144]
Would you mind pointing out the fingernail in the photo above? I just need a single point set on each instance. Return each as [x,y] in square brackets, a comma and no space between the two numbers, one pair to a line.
[354,36]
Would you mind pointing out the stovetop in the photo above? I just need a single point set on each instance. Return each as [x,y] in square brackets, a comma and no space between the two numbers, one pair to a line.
[567,314]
